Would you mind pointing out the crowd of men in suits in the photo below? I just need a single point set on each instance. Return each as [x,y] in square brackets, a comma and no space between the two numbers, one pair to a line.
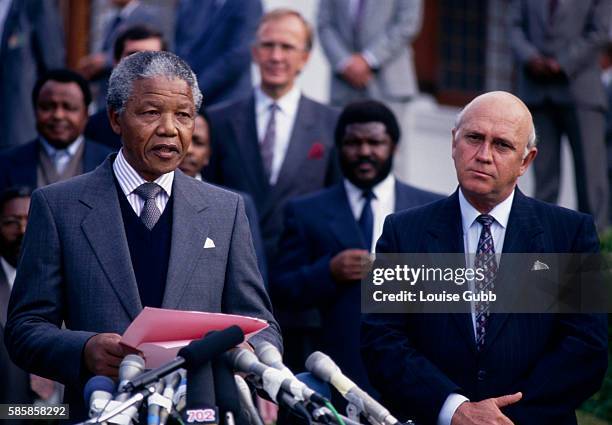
[266,197]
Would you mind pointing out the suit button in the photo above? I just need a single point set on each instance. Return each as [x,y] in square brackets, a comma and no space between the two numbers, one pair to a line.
[482,374]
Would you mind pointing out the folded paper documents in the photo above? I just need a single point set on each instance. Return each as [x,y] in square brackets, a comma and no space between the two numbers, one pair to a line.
[160,333]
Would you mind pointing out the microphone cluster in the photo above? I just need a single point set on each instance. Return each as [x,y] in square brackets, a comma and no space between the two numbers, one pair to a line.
[178,387]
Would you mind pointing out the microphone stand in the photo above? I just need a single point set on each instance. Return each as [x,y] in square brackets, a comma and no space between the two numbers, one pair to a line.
[133,400]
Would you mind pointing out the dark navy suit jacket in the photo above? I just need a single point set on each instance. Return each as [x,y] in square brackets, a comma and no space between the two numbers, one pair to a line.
[99,129]
[317,227]
[556,361]
[215,41]
[18,166]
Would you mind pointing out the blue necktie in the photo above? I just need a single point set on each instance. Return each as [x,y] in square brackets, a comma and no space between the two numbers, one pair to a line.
[366,220]
[485,260]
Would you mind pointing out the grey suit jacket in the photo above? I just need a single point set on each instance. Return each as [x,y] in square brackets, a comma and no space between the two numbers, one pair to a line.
[387,29]
[76,268]
[574,37]
[32,42]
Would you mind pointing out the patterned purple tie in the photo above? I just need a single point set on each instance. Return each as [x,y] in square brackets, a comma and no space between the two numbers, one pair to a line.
[268,142]
[485,260]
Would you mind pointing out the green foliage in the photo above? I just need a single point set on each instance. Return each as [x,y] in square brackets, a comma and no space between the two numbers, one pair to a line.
[600,405]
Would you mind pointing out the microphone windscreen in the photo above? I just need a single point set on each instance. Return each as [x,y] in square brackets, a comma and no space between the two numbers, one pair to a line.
[201,351]
[315,384]
[97,383]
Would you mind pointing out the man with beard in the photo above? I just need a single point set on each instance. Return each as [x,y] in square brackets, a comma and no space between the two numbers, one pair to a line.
[321,256]
[14,205]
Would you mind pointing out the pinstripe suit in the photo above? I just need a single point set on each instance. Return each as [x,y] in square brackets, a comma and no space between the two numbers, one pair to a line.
[557,361]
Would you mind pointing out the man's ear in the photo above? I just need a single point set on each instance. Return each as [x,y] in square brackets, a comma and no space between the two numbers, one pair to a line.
[114,119]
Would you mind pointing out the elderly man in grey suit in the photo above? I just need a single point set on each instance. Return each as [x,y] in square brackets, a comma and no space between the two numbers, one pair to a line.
[557,45]
[135,232]
[367,43]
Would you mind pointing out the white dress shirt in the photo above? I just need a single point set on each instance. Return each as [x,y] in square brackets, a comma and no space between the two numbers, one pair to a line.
[285,119]
[61,157]
[9,271]
[382,204]
[129,180]
[471,235]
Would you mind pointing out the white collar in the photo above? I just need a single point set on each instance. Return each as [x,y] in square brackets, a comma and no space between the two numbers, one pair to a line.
[288,103]
[129,179]
[380,191]
[70,150]
[469,214]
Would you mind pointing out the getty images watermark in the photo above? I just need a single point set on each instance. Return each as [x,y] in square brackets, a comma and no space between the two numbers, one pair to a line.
[509,283]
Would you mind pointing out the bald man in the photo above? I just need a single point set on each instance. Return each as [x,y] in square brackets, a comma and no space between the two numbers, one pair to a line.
[480,367]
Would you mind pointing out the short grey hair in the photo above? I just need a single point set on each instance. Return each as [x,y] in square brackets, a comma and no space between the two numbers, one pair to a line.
[148,65]
[532,140]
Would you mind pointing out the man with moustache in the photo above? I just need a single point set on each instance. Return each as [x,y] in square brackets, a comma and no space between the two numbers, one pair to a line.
[136,232]
[483,367]
[14,205]
[60,99]
[329,234]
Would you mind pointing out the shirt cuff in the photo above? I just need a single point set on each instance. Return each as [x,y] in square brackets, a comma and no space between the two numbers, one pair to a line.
[370,59]
[449,407]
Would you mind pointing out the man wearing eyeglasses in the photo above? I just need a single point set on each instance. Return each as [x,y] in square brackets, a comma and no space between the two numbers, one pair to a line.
[276,143]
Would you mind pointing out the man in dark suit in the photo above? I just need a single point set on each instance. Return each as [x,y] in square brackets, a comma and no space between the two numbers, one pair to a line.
[138,38]
[123,14]
[14,205]
[276,144]
[487,368]
[135,232]
[557,46]
[329,234]
[214,37]
[31,43]
[291,154]
[60,99]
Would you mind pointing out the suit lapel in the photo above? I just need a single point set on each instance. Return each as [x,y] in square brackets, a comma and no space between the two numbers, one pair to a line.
[245,129]
[446,236]
[104,229]
[523,235]
[341,221]
[189,233]
[297,151]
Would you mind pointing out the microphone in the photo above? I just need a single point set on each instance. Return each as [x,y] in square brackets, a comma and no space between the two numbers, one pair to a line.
[171,381]
[97,393]
[273,379]
[268,354]
[246,401]
[194,355]
[200,403]
[154,402]
[181,391]
[131,366]
[324,368]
